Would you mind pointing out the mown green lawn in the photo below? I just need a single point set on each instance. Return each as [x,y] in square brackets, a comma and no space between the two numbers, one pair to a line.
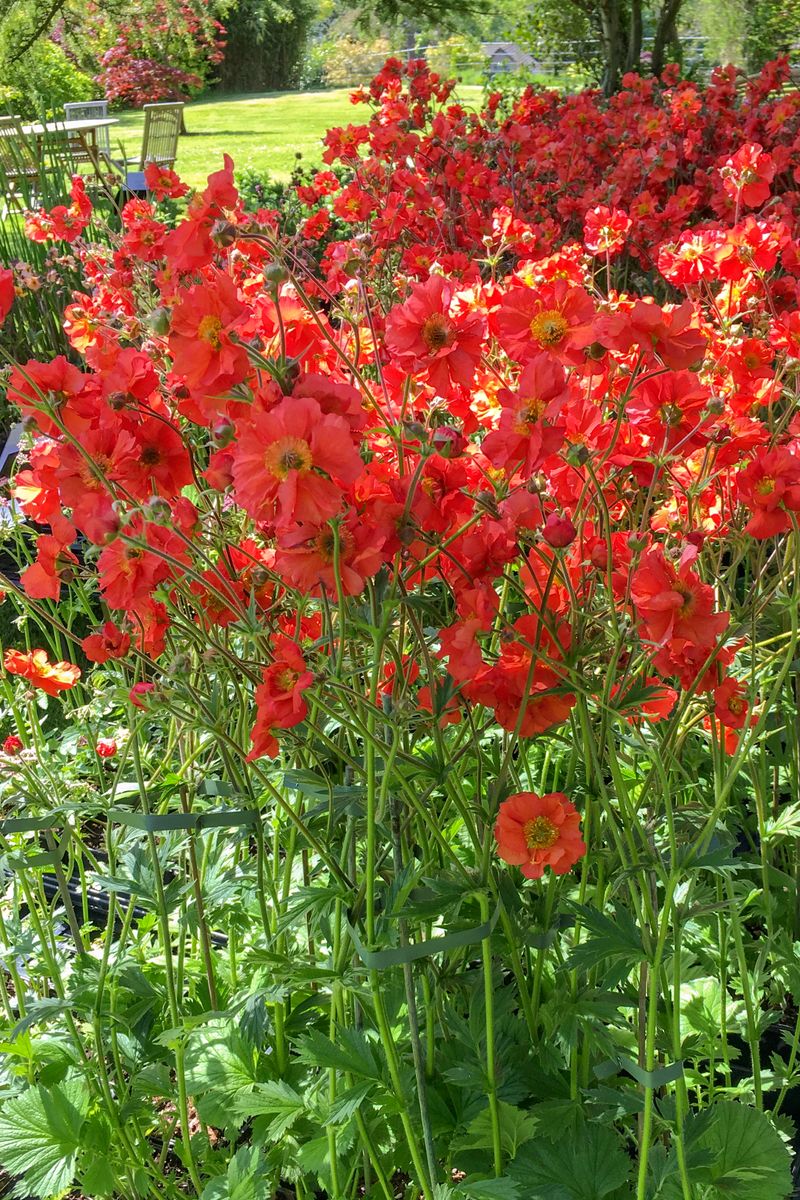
[262,131]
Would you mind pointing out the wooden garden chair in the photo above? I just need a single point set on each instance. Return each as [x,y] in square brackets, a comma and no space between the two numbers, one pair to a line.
[19,166]
[162,125]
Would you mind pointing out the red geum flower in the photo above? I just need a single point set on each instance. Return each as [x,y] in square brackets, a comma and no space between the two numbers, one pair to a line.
[748,173]
[731,707]
[533,832]
[109,642]
[37,385]
[129,572]
[671,334]
[605,230]
[200,337]
[557,317]
[36,667]
[106,747]
[279,697]
[528,431]
[139,692]
[672,602]
[770,487]
[163,182]
[12,744]
[438,332]
[54,561]
[291,463]
[306,557]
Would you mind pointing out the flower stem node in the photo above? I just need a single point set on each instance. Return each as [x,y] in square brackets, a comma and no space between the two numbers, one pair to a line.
[159,510]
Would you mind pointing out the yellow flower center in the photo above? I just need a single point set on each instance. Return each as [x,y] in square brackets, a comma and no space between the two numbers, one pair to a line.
[688,598]
[436,332]
[286,679]
[288,454]
[532,410]
[737,705]
[540,833]
[325,545]
[766,486]
[548,327]
[210,330]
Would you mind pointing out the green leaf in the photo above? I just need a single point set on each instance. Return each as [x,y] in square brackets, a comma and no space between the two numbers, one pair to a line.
[589,1165]
[243,1181]
[516,1128]
[348,1102]
[489,1189]
[99,1179]
[220,1067]
[746,1158]
[350,1052]
[611,939]
[40,1136]
[272,1097]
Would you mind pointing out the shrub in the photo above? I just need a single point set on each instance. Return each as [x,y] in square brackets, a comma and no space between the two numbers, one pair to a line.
[42,81]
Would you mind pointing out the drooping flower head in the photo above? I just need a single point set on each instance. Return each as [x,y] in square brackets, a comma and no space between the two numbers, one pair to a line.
[36,667]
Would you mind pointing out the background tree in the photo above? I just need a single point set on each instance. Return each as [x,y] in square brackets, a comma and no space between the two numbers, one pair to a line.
[266,40]
[36,74]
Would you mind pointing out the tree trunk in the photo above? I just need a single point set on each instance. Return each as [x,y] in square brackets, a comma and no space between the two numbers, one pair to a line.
[665,31]
[611,32]
[634,55]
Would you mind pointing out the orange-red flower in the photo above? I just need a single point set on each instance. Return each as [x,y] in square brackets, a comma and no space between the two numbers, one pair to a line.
[200,341]
[672,601]
[7,292]
[731,707]
[109,642]
[36,667]
[556,317]
[438,331]
[528,430]
[290,464]
[279,698]
[770,487]
[534,832]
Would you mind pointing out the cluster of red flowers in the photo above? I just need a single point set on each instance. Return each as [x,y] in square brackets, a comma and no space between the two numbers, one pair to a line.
[562,457]
[445,184]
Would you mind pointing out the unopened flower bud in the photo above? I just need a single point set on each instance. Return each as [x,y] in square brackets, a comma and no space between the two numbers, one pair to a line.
[223,433]
[715,406]
[447,441]
[414,430]
[577,454]
[558,531]
[117,401]
[636,542]
[275,274]
[159,320]
[598,556]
